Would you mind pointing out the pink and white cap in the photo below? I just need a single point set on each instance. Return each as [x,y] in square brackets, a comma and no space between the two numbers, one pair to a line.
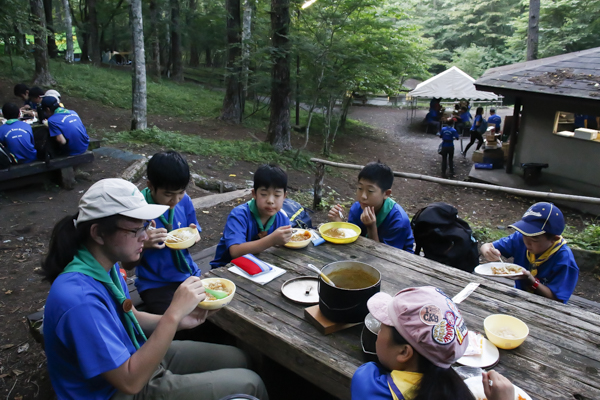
[428,320]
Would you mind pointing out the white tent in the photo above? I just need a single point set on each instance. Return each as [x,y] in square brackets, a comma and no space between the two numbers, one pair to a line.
[450,84]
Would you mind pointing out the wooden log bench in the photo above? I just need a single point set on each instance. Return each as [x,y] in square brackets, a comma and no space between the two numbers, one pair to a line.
[22,174]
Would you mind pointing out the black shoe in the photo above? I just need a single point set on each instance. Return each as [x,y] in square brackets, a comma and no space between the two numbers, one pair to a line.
[451,172]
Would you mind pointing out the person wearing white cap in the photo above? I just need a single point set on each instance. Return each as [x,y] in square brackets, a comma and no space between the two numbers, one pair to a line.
[95,338]
[422,333]
[55,94]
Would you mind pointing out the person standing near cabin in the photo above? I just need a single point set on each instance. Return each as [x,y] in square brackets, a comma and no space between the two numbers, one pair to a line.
[537,246]
[17,136]
[475,134]
[379,217]
[161,270]
[495,119]
[448,136]
[65,128]
[95,338]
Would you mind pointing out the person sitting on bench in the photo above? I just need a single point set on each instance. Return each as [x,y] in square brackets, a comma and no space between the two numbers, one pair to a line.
[65,127]
[17,135]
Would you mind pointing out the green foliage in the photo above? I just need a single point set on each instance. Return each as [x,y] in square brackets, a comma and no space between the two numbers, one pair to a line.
[588,239]
[486,234]
[228,151]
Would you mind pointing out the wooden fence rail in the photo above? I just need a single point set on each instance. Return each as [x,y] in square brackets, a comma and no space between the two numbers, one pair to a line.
[320,176]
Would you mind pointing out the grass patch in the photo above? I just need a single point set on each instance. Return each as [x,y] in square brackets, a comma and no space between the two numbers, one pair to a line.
[228,150]
[588,239]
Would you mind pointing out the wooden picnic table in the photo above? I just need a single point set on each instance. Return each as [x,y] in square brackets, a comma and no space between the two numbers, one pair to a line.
[559,360]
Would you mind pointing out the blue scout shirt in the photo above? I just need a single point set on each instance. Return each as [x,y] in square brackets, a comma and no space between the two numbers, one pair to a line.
[394,231]
[474,126]
[241,228]
[157,267]
[580,120]
[432,116]
[18,138]
[448,135]
[369,382]
[465,116]
[84,337]
[559,273]
[495,120]
[69,124]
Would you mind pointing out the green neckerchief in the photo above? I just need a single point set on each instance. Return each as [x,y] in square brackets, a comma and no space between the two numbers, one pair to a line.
[387,206]
[86,264]
[61,110]
[256,215]
[178,256]
[11,121]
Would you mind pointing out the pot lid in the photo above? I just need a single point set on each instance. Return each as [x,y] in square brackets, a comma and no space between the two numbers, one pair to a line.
[301,290]
[372,324]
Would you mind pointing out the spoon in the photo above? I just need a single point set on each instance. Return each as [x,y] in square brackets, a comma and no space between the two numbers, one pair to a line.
[218,294]
[318,271]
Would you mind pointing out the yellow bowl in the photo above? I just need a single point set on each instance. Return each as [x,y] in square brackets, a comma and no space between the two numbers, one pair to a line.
[186,243]
[346,225]
[299,245]
[494,326]
[216,304]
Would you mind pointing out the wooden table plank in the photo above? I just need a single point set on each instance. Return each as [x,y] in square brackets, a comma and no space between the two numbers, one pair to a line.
[559,359]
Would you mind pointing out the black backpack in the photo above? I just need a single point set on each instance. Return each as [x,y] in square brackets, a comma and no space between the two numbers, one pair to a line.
[6,157]
[444,237]
[297,214]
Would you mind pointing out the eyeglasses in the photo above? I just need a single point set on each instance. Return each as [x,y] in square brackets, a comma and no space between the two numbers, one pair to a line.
[137,232]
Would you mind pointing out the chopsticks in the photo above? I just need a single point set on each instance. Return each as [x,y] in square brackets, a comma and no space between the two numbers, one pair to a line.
[171,238]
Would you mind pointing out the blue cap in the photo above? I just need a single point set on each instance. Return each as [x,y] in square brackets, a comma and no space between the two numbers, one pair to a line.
[50,102]
[539,219]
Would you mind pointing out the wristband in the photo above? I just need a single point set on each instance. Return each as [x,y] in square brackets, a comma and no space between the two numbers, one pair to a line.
[535,285]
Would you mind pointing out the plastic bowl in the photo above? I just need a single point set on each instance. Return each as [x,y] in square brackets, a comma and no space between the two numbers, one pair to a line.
[494,324]
[186,243]
[346,225]
[216,304]
[299,245]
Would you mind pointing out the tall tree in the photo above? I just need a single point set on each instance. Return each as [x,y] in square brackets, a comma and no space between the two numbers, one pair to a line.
[94,41]
[69,56]
[278,134]
[233,103]
[42,75]
[139,95]
[52,48]
[176,54]
[154,39]
[534,29]
[246,36]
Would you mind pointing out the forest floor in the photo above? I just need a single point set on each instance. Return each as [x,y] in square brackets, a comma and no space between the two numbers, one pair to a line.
[29,213]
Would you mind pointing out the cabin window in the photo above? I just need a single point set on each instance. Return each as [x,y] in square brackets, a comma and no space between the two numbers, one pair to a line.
[577,126]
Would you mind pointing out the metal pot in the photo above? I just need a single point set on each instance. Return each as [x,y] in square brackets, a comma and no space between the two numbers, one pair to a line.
[339,304]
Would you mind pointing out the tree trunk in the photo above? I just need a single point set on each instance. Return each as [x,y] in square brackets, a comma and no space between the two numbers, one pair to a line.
[246,36]
[165,49]
[233,103]
[208,57]
[194,53]
[154,39]
[176,56]
[138,109]
[52,48]
[94,41]
[279,124]
[69,56]
[533,30]
[42,75]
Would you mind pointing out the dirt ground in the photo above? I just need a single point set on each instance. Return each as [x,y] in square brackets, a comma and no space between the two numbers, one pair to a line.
[29,213]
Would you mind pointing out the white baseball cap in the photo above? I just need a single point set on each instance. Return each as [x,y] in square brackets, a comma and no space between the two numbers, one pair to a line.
[116,196]
[52,93]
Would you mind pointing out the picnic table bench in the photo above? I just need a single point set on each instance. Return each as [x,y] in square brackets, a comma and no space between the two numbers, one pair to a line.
[559,360]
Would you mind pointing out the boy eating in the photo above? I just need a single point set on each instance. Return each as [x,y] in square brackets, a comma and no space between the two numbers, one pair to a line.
[161,270]
[537,246]
[257,225]
[17,135]
[379,217]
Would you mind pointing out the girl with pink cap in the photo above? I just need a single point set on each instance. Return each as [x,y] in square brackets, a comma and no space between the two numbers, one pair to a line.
[422,334]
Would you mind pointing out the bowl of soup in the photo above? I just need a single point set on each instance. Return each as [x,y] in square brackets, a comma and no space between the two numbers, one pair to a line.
[339,232]
[505,331]
[182,238]
[300,239]
[355,283]
[225,285]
